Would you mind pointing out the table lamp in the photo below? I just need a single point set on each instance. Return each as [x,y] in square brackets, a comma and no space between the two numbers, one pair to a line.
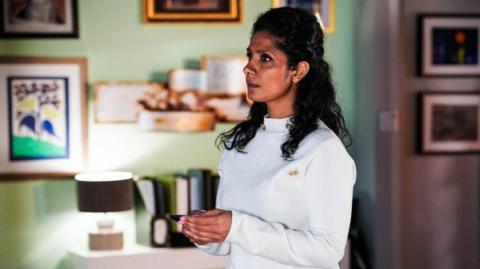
[104,192]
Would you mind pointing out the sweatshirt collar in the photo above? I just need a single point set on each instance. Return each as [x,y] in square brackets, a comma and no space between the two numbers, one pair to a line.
[276,125]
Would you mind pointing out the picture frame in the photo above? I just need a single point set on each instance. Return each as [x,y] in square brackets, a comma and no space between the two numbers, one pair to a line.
[180,79]
[448,45]
[43,117]
[449,122]
[187,11]
[225,74]
[324,10]
[117,101]
[45,19]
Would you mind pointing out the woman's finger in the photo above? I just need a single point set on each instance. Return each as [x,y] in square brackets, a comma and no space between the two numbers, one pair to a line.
[197,212]
[214,229]
[212,212]
[209,235]
[197,238]
[202,220]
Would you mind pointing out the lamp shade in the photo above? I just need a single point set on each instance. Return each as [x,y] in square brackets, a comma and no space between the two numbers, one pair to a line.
[104,191]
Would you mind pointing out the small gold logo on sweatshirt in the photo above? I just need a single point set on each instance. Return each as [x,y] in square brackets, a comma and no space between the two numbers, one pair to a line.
[293,172]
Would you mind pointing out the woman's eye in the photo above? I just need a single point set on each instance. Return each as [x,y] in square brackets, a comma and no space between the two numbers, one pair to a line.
[265,58]
[249,55]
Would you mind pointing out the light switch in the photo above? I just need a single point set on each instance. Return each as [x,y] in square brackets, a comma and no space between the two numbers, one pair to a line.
[388,121]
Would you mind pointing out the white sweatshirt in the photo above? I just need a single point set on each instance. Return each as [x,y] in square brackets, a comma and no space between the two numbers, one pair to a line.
[286,214]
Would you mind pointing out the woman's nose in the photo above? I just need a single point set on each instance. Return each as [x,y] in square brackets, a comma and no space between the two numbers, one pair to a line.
[248,70]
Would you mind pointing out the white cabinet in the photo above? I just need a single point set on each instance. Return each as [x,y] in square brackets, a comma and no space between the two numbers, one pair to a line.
[142,257]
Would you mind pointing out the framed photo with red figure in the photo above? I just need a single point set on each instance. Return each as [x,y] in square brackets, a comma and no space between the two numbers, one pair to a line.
[448,45]
[43,117]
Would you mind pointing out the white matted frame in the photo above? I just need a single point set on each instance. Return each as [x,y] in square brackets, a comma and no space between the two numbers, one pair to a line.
[187,79]
[448,45]
[449,122]
[225,74]
[324,10]
[43,117]
[117,101]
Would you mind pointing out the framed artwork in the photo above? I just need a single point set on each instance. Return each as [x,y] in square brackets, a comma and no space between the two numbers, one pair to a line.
[449,122]
[324,10]
[193,10]
[448,45]
[31,19]
[43,117]
[187,79]
[118,102]
[225,74]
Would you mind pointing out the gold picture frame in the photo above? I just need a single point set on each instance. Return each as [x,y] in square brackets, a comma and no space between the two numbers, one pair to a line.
[326,12]
[178,11]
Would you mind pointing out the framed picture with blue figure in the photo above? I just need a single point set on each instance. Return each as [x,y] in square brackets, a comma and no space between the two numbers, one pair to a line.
[43,117]
[38,118]
[448,45]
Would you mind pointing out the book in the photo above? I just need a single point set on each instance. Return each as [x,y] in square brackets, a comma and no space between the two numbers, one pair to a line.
[176,194]
[159,191]
[216,182]
[209,190]
[142,215]
[146,191]
[202,189]
[197,189]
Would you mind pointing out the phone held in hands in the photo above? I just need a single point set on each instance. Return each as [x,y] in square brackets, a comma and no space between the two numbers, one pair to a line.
[176,217]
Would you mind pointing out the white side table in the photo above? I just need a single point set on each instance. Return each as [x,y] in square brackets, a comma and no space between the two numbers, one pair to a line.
[142,257]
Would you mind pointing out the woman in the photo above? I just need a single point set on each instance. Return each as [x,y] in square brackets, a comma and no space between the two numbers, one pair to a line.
[285,194]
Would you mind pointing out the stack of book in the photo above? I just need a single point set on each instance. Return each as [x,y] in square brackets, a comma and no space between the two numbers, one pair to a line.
[160,196]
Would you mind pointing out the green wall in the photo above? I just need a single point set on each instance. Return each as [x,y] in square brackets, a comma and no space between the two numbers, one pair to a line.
[38,219]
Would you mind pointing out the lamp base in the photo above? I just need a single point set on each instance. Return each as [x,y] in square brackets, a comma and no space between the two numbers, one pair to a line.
[111,240]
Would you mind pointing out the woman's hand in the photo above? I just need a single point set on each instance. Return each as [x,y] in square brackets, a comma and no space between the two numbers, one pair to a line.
[207,227]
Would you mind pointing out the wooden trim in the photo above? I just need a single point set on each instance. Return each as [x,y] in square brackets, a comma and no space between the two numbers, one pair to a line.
[235,15]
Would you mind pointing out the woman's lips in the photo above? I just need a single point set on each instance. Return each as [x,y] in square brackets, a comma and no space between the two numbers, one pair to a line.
[252,85]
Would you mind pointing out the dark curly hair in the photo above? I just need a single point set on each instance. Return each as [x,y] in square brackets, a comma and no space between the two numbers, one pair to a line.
[299,36]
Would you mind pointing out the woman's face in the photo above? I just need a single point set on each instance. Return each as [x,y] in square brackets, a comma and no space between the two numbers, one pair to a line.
[269,79]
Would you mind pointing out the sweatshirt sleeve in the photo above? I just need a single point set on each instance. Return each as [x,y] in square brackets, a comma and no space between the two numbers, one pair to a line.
[218,249]
[222,248]
[328,186]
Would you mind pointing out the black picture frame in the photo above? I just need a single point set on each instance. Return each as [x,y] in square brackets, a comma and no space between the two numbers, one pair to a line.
[448,122]
[55,19]
[439,37]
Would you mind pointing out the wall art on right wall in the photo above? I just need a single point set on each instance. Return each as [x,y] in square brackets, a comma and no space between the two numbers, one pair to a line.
[448,45]
[449,122]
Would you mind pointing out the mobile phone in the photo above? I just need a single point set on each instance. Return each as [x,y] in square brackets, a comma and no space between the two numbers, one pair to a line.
[176,217]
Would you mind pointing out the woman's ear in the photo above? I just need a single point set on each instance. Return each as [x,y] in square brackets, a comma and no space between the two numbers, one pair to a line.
[300,71]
